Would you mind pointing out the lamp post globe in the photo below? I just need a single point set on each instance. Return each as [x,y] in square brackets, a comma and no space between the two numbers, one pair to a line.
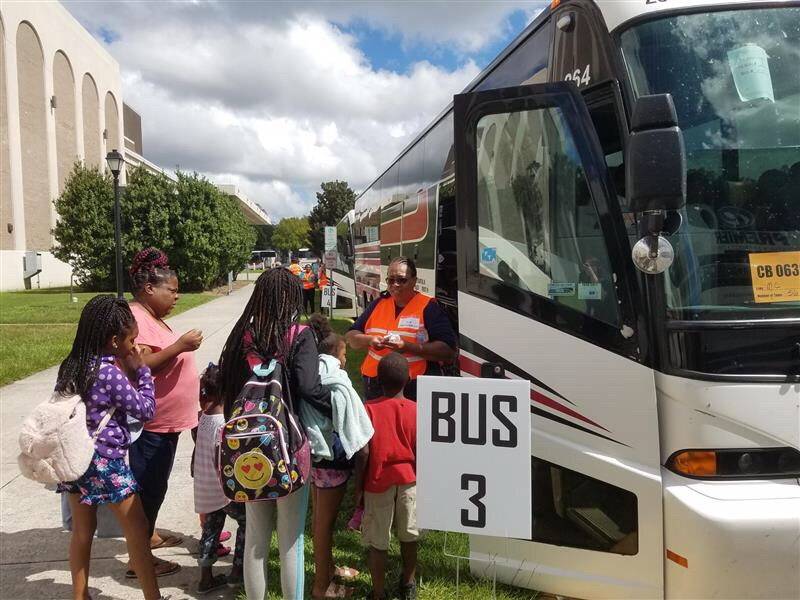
[115,161]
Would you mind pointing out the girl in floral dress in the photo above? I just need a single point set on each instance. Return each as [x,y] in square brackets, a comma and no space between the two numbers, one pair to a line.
[104,340]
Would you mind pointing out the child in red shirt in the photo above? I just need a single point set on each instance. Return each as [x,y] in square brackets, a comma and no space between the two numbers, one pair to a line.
[389,479]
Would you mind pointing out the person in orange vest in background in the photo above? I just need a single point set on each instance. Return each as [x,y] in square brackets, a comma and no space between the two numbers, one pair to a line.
[295,267]
[323,279]
[309,288]
[405,321]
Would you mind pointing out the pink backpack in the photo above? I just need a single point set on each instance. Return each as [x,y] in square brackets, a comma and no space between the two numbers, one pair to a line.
[54,442]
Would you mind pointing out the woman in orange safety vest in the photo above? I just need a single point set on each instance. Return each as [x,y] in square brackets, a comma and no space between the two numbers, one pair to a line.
[406,321]
[309,287]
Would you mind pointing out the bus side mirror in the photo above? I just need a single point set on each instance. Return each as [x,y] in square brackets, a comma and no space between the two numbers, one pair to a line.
[655,161]
[655,180]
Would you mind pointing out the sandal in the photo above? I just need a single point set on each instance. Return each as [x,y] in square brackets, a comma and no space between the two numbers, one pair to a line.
[161,567]
[217,582]
[337,590]
[224,536]
[345,572]
[167,542]
[223,551]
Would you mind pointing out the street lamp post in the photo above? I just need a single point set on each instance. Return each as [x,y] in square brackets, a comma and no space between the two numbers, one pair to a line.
[115,161]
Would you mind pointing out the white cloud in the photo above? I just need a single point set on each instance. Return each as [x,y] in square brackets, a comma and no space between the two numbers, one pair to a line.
[280,97]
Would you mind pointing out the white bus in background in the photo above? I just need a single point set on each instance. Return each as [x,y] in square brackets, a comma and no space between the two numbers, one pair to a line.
[665,400]
[305,255]
[265,258]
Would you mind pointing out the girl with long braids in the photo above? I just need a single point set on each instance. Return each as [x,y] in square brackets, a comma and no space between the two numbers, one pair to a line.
[105,338]
[269,327]
[177,386]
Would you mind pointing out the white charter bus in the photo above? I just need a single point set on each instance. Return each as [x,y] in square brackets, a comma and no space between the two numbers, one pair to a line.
[665,399]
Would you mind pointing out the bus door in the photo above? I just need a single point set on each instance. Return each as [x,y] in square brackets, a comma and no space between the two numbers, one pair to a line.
[547,293]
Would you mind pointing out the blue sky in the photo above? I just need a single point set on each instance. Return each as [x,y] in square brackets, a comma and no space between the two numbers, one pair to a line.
[277,97]
[392,52]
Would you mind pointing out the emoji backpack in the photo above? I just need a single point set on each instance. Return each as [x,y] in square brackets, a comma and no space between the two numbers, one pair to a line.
[263,452]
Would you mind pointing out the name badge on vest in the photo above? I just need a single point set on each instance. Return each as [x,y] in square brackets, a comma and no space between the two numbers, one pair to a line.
[409,323]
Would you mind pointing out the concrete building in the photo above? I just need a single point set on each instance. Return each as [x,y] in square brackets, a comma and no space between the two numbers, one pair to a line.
[60,102]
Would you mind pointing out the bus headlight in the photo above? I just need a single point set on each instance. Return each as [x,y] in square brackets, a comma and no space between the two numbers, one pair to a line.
[750,463]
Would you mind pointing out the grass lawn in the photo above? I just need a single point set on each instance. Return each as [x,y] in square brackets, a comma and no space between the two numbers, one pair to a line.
[37,327]
[436,573]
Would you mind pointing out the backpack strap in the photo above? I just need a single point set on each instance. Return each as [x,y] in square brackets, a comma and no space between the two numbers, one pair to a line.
[103,422]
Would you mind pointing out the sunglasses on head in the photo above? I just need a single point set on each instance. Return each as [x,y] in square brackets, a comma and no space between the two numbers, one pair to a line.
[397,280]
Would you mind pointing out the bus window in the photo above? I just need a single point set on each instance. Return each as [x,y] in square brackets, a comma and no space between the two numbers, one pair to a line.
[538,229]
[528,64]
[573,509]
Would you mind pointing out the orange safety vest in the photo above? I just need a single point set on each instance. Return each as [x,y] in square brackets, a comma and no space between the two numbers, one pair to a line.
[295,269]
[323,280]
[382,321]
[308,280]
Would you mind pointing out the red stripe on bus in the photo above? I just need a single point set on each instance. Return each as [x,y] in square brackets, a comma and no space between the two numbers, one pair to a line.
[415,224]
[391,232]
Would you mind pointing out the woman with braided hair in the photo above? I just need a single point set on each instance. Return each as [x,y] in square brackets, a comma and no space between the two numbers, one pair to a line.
[269,327]
[105,339]
[177,386]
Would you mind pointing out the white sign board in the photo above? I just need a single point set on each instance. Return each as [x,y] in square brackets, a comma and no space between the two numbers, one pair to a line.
[329,293]
[474,456]
[330,237]
[330,259]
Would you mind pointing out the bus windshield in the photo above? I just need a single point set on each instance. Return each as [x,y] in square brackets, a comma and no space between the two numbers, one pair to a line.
[735,79]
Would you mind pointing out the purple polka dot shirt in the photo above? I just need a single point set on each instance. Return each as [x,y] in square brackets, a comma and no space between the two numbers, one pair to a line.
[112,388]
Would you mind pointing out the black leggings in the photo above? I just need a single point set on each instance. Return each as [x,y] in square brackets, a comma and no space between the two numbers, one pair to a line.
[308,301]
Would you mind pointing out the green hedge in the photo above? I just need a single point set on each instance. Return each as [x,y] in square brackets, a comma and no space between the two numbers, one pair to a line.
[202,230]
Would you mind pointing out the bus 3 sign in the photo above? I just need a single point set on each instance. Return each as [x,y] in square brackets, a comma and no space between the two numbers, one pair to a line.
[474,456]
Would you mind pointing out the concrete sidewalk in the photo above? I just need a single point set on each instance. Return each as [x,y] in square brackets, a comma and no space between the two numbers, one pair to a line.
[33,546]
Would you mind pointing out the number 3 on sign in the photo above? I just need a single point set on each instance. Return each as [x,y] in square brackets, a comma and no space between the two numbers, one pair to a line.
[480,518]
[579,79]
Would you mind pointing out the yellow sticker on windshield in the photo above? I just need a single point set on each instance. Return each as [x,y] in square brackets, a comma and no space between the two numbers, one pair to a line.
[775,276]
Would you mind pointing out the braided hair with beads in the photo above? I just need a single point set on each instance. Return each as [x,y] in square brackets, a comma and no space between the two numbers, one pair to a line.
[263,328]
[102,318]
[150,265]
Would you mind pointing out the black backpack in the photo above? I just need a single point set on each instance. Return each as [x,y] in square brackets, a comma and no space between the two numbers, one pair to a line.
[264,452]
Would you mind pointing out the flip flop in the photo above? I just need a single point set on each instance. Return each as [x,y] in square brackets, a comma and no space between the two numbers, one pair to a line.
[223,550]
[336,590]
[161,567]
[217,582]
[345,572]
[224,536]
[167,542]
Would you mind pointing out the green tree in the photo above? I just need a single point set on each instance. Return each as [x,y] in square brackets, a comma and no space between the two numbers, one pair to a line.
[210,234]
[202,230]
[291,233]
[263,236]
[84,231]
[333,202]
[149,211]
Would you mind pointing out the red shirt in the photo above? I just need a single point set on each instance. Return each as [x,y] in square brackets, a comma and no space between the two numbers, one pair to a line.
[392,449]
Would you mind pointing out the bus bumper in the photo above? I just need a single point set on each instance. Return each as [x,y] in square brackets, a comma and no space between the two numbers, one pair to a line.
[731,539]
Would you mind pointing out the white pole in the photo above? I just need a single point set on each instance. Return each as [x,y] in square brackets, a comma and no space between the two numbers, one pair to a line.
[330,296]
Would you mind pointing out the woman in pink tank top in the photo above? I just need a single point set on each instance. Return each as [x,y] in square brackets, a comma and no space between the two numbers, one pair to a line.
[177,385]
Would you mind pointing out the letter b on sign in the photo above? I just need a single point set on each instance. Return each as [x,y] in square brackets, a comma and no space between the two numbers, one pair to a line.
[443,409]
